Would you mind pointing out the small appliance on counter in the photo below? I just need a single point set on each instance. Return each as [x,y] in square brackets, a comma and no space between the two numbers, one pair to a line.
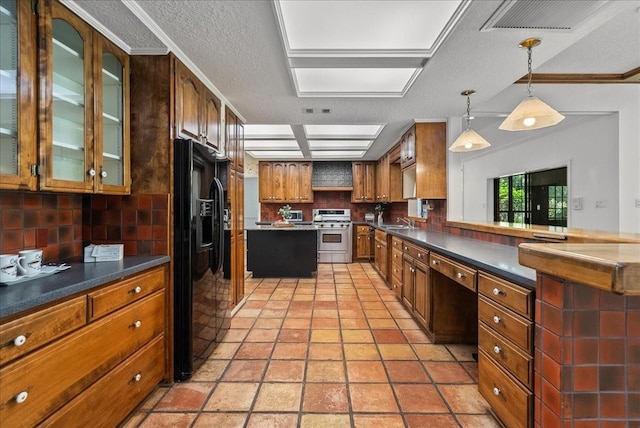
[296,216]
[370,217]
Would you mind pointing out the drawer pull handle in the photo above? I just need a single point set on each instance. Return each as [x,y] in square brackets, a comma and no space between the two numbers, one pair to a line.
[435,262]
[496,390]
[460,275]
[497,349]
[137,324]
[137,377]
[20,340]
[137,290]
[22,397]
[496,319]
[497,292]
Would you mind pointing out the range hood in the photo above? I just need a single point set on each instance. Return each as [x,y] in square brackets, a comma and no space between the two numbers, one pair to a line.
[332,176]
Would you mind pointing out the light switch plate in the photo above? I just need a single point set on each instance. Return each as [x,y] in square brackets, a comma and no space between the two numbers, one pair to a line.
[576,203]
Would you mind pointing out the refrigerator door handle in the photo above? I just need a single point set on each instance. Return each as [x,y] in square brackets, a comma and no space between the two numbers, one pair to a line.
[217,194]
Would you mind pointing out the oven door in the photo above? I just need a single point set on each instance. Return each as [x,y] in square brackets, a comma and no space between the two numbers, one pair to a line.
[333,239]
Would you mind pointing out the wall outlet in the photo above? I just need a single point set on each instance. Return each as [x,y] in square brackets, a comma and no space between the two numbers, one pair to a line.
[576,203]
[601,203]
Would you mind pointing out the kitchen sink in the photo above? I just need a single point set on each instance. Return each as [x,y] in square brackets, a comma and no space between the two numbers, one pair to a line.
[396,226]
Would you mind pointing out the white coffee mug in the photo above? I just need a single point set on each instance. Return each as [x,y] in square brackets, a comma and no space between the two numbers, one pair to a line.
[30,262]
[8,267]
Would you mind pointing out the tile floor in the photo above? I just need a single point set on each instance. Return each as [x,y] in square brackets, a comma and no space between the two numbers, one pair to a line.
[337,350]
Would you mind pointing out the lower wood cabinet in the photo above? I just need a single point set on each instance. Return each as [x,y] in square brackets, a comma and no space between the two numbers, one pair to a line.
[363,244]
[381,255]
[505,349]
[99,369]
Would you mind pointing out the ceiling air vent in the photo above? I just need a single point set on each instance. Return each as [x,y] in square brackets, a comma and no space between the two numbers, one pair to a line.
[563,15]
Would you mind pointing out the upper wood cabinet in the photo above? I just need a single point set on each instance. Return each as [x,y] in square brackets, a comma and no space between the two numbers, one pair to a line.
[84,106]
[389,178]
[288,182]
[408,148]
[234,140]
[197,109]
[18,104]
[364,182]
[427,177]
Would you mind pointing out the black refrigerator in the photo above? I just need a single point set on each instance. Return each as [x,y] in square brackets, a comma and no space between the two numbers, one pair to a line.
[201,292]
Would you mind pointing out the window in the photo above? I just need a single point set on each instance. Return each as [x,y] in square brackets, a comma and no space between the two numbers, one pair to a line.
[538,197]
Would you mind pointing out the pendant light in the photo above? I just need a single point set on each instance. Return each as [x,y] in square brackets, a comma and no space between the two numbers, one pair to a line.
[469,140]
[531,113]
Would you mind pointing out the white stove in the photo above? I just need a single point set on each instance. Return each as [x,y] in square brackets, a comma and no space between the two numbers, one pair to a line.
[335,238]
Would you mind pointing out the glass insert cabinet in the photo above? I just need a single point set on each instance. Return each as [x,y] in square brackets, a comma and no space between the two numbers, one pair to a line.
[83,106]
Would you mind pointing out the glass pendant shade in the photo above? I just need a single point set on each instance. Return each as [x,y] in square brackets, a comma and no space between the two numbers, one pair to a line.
[469,141]
[531,113]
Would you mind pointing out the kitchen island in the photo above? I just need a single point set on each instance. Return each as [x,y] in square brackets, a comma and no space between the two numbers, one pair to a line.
[282,252]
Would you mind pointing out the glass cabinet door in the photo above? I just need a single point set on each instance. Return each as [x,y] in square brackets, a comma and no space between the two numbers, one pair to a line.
[112,111]
[68,127]
[17,95]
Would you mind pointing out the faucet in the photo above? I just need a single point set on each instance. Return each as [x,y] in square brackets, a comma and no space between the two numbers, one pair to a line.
[408,222]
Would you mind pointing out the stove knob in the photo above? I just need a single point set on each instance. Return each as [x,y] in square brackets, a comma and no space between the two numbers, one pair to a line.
[332,225]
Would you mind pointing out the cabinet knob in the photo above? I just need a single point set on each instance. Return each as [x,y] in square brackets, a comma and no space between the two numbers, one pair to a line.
[20,340]
[496,390]
[103,174]
[137,290]
[22,397]
[497,349]
[419,255]
[137,377]
[91,172]
[496,319]
[460,275]
[436,263]
[497,292]
[137,324]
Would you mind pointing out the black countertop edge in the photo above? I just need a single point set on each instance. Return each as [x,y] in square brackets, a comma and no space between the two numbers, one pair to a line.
[296,228]
[16,298]
[498,259]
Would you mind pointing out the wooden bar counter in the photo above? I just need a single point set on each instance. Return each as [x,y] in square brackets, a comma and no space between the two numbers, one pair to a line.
[587,333]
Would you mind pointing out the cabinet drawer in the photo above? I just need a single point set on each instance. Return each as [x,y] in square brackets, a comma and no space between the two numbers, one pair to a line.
[506,354]
[514,327]
[396,284]
[28,333]
[125,386]
[416,252]
[128,290]
[396,243]
[459,273]
[507,294]
[512,403]
[55,374]
[396,258]
[381,235]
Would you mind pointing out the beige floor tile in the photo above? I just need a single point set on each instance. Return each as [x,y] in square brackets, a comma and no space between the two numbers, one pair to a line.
[285,371]
[268,323]
[357,336]
[297,323]
[396,352]
[325,398]
[235,335]
[290,351]
[366,372]
[406,372]
[325,371]
[325,351]
[360,351]
[324,421]
[221,420]
[262,335]
[242,322]
[252,351]
[168,420]
[430,352]
[423,421]
[351,323]
[372,397]
[325,336]
[325,323]
[232,396]
[293,335]
[273,420]
[378,421]
[464,399]
[382,323]
[447,372]
[210,370]
[478,421]
[414,336]
[225,351]
[278,397]
[419,398]
[245,370]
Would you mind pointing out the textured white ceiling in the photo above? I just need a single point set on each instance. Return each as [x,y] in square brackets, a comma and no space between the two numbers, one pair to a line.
[236,45]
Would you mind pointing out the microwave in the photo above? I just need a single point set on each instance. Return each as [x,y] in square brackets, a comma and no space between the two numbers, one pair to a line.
[296,215]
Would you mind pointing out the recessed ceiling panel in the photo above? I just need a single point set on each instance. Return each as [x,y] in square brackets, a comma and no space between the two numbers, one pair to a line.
[271,145]
[342,131]
[337,154]
[364,25]
[268,131]
[356,81]
[275,154]
[339,144]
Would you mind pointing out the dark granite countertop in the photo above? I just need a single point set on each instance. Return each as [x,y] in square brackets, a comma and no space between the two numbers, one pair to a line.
[296,228]
[498,259]
[15,298]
